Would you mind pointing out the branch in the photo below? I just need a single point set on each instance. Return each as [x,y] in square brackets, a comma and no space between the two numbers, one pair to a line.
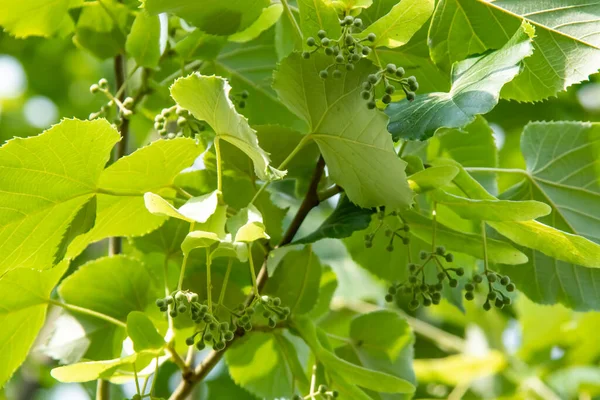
[311,200]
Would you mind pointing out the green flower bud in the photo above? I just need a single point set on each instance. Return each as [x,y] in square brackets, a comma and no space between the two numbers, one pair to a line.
[349,40]
[305,55]
[405,240]
[367,86]
[208,337]
[321,34]
[412,267]
[477,278]
[224,326]
[453,283]
[436,298]
[339,59]
[337,74]
[322,389]
[439,286]
[248,327]
[182,308]
[357,22]
[491,296]
[103,83]
[410,96]
[389,298]
[242,104]
[386,99]
[267,314]
[310,41]
[423,255]
[441,276]
[228,336]
[356,57]
[366,50]
[469,296]
[460,271]
[487,306]
[329,51]
[323,74]
[440,250]
[390,247]
[325,42]
[276,301]
[349,67]
[412,279]
[181,121]
[426,302]
[372,78]
[400,72]
[450,257]
[173,313]
[190,341]
[219,346]
[414,304]
[94,89]
[200,345]
[371,37]
[469,287]
[335,394]
[505,280]
[507,301]
[390,89]
[371,105]
[499,303]
[349,19]
[491,277]
[160,303]
[272,323]
[213,326]
[390,69]
[510,287]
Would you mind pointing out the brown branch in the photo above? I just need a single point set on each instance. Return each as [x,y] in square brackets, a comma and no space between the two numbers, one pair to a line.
[311,200]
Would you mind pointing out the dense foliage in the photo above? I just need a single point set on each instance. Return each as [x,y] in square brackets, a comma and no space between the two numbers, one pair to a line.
[354,199]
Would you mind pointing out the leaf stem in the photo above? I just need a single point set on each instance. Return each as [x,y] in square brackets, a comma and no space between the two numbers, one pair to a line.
[184,262]
[137,383]
[87,311]
[484,237]
[225,281]
[330,192]
[252,272]
[497,170]
[208,280]
[219,165]
[434,214]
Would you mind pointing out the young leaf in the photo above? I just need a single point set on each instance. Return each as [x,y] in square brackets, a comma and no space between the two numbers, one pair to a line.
[197,209]
[25,295]
[142,332]
[114,286]
[207,98]
[296,280]
[343,221]
[491,210]
[353,140]
[397,27]
[566,41]
[267,19]
[44,184]
[432,178]
[247,225]
[143,42]
[197,240]
[476,84]
[92,370]
[212,16]
[101,28]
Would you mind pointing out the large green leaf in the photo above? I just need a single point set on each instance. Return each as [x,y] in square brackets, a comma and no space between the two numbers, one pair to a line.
[397,27]
[36,17]
[353,140]
[114,286]
[316,15]
[212,16]
[388,350]
[349,374]
[262,364]
[101,28]
[343,221]
[562,162]
[150,168]
[297,280]
[143,42]
[566,42]
[142,332]
[25,295]
[44,182]
[476,84]
[206,97]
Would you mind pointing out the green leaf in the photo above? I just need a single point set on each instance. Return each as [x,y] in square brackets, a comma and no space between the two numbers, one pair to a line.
[196,209]
[460,369]
[25,295]
[36,17]
[200,45]
[114,286]
[261,364]
[150,168]
[82,223]
[198,239]
[341,223]
[206,97]
[353,140]
[92,370]
[212,16]
[432,178]
[101,28]
[476,84]
[249,66]
[296,281]
[166,240]
[345,6]
[566,44]
[316,15]
[491,210]
[247,225]
[399,25]
[44,182]
[471,146]
[267,19]
[143,333]
[143,42]
[348,372]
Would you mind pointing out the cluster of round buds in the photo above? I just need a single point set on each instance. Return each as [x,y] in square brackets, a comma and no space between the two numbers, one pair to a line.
[400,233]
[497,286]
[176,119]
[345,51]
[272,310]
[424,293]
[180,302]
[215,334]
[387,77]
[322,391]
[125,107]
[240,98]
